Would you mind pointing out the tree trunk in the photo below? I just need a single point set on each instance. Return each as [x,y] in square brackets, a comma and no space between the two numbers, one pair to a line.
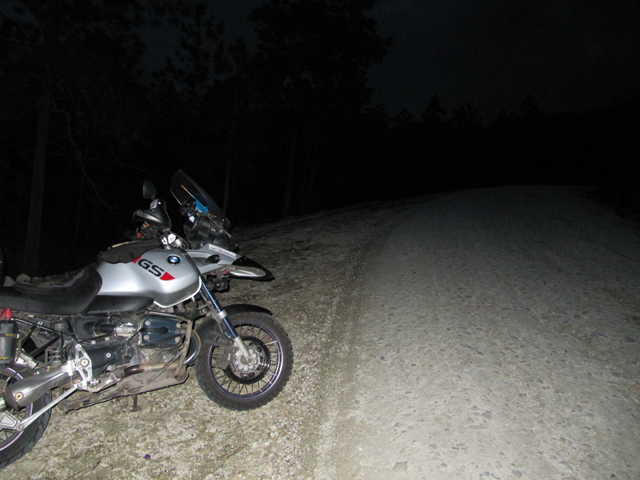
[78,227]
[288,189]
[230,154]
[308,206]
[34,226]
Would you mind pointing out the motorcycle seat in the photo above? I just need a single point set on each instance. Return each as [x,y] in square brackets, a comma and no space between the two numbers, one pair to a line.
[69,299]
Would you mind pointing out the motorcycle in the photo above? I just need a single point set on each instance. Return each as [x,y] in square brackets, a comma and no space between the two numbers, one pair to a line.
[135,321]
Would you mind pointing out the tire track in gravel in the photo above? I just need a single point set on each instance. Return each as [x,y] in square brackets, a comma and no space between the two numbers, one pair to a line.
[491,337]
[366,231]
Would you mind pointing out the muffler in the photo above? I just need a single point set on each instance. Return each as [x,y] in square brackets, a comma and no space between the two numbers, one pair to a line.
[26,391]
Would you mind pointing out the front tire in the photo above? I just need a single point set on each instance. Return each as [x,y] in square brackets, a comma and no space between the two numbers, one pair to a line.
[231,382]
[13,443]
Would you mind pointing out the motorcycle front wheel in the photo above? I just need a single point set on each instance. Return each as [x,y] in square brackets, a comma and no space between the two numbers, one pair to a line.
[14,443]
[229,380]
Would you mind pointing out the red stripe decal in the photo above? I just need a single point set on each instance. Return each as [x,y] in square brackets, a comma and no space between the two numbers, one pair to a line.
[166,276]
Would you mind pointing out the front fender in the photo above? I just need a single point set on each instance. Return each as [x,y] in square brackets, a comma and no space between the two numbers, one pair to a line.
[210,333]
[244,267]
[245,307]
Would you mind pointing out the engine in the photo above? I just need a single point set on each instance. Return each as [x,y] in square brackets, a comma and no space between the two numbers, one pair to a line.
[129,354]
[137,339]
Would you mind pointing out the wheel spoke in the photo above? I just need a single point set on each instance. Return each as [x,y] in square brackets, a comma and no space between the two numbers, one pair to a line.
[236,381]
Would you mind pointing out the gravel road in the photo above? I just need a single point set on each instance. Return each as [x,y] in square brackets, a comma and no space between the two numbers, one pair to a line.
[496,337]
[483,334]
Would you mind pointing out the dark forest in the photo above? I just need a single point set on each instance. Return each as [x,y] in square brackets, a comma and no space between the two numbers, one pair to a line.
[285,128]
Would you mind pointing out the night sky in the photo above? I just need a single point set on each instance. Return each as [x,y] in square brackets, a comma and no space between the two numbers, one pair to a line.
[568,54]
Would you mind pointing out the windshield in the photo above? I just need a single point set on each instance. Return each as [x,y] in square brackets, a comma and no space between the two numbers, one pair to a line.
[188,192]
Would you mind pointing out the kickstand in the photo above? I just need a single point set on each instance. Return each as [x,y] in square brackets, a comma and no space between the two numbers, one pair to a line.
[135,407]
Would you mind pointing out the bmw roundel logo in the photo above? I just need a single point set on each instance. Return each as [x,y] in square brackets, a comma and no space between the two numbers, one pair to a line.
[173,259]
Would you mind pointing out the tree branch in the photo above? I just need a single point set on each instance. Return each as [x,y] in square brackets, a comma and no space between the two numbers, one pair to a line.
[78,158]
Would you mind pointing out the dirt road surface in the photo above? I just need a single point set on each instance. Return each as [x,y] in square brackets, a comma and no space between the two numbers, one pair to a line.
[483,334]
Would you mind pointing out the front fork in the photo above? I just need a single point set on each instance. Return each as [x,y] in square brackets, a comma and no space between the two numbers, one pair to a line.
[223,319]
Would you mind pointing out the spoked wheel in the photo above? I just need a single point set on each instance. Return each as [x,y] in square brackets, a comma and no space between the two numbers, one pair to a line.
[14,443]
[235,382]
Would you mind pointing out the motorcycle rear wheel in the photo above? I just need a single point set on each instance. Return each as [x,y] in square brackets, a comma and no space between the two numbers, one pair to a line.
[239,386]
[13,443]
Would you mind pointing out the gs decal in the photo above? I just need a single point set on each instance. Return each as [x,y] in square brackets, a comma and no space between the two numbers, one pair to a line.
[153,269]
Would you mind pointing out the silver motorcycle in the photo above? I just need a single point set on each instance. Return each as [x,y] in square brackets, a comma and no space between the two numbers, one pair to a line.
[136,321]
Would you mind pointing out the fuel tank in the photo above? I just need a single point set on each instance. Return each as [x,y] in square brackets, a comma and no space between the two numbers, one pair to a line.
[167,276]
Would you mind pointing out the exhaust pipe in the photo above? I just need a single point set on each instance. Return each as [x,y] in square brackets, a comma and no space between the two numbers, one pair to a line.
[29,389]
